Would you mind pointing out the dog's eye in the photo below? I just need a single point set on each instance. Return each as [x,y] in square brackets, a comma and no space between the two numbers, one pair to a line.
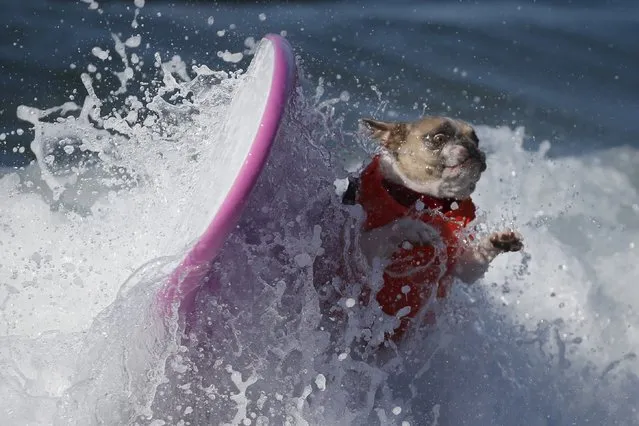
[440,138]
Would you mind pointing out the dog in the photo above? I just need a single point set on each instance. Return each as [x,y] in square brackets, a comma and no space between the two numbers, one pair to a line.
[416,196]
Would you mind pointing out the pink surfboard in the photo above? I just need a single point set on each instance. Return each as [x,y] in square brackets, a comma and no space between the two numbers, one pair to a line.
[254,117]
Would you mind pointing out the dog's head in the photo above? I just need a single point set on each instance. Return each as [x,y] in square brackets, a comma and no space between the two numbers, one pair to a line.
[437,156]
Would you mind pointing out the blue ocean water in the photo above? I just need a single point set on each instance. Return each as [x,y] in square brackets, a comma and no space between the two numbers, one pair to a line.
[564,71]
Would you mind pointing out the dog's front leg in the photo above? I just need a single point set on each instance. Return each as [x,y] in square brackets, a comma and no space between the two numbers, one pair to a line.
[473,261]
[382,242]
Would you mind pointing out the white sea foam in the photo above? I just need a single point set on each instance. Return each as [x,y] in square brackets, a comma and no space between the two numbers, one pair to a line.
[89,233]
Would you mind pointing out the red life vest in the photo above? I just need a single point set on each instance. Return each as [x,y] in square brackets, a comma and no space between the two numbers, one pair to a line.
[413,273]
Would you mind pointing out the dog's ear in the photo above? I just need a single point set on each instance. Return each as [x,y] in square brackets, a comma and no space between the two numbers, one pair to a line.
[390,135]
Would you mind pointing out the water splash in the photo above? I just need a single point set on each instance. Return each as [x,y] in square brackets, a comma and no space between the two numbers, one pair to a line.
[71,282]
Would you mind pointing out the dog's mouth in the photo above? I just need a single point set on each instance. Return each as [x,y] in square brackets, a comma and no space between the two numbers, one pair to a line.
[460,165]
[468,162]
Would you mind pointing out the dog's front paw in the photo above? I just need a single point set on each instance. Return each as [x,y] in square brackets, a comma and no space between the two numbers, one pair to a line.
[506,241]
[413,231]
[476,259]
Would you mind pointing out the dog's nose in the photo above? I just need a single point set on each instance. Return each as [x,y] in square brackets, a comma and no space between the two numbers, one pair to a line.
[478,155]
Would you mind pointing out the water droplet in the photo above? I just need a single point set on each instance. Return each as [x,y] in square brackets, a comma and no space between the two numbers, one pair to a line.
[320,381]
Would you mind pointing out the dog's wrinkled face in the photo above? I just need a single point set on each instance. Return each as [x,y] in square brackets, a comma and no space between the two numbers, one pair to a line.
[437,156]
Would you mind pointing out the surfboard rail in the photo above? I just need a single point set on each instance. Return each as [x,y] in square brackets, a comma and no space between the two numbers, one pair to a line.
[182,285]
